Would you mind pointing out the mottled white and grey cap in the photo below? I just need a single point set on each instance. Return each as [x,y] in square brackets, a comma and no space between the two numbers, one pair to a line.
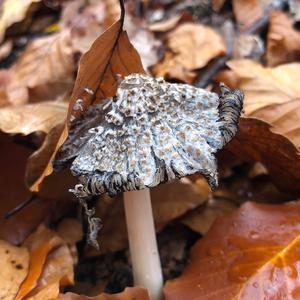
[153,132]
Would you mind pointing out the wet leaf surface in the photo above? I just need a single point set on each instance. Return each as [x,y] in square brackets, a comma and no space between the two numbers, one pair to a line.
[250,254]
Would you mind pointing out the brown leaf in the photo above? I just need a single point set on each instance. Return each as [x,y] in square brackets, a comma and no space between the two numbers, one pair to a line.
[256,141]
[201,218]
[270,94]
[29,118]
[247,12]
[190,46]
[169,201]
[264,86]
[135,293]
[47,206]
[283,41]
[244,254]
[43,71]
[40,244]
[13,11]
[109,55]
[57,272]
[14,268]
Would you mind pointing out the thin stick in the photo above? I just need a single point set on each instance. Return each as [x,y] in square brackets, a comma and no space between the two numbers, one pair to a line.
[20,206]
[142,242]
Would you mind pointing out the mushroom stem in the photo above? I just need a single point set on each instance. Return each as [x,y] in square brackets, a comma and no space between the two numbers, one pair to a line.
[142,242]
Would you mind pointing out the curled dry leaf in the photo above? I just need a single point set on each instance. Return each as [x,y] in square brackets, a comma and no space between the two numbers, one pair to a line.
[264,86]
[189,47]
[57,273]
[97,78]
[43,71]
[40,244]
[135,293]
[51,266]
[29,118]
[169,201]
[256,141]
[244,254]
[13,11]
[283,41]
[14,268]
[270,94]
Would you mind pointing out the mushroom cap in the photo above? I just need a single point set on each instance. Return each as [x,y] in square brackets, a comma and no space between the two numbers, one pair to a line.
[153,132]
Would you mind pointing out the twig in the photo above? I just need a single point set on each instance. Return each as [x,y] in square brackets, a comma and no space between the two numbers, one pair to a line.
[220,62]
[20,206]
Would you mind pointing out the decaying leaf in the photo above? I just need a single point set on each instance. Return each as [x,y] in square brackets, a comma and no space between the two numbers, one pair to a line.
[264,86]
[51,266]
[256,141]
[43,71]
[13,11]
[283,41]
[51,203]
[189,47]
[253,253]
[29,118]
[40,244]
[97,78]
[270,94]
[57,273]
[201,218]
[136,293]
[169,201]
[14,268]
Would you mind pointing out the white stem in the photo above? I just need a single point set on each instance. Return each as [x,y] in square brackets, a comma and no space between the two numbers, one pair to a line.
[142,242]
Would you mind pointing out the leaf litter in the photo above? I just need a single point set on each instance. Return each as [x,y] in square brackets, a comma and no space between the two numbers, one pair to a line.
[43,105]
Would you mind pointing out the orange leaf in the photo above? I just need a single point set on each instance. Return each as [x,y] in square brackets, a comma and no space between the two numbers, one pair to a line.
[253,253]
[135,293]
[40,244]
[111,54]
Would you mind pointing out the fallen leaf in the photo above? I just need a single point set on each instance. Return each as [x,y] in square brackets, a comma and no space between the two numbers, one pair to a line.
[247,12]
[40,244]
[13,11]
[57,273]
[201,218]
[253,253]
[256,141]
[14,268]
[190,46]
[169,201]
[270,94]
[264,86]
[284,118]
[29,118]
[48,206]
[71,231]
[283,41]
[135,293]
[96,80]
[43,71]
